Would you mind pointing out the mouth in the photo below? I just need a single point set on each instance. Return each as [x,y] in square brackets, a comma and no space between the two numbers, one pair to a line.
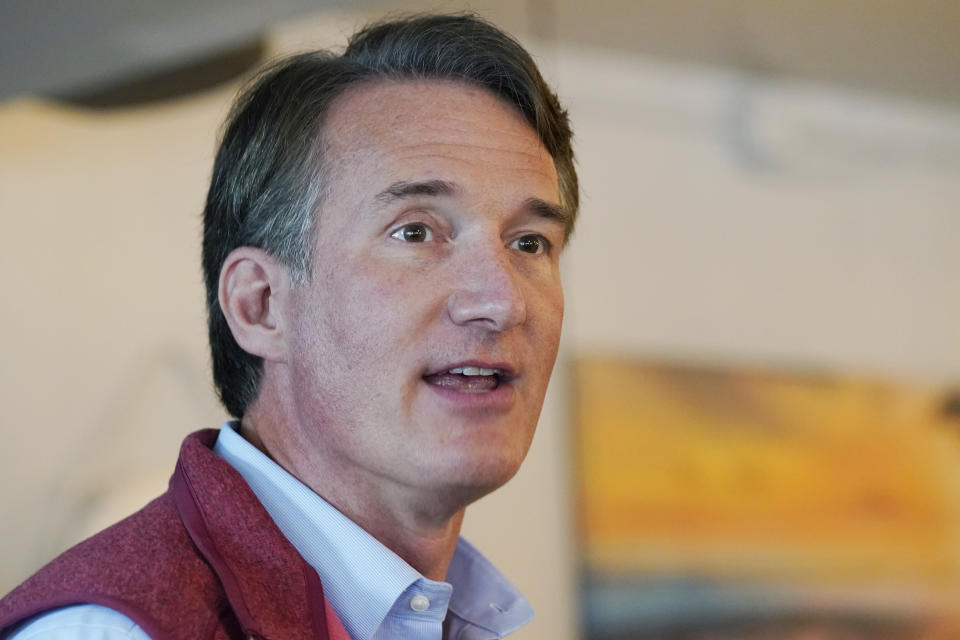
[471,378]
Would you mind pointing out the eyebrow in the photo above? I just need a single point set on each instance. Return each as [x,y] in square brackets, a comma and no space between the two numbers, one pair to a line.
[403,189]
[544,209]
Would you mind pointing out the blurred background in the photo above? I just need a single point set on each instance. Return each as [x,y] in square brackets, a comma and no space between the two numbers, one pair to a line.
[752,431]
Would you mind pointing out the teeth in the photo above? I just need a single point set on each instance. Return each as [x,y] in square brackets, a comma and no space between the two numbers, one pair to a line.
[474,371]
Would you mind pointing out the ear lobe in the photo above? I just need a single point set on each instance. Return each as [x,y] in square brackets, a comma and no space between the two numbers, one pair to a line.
[251,285]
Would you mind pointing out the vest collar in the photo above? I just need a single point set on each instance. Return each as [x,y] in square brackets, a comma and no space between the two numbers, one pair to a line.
[273,592]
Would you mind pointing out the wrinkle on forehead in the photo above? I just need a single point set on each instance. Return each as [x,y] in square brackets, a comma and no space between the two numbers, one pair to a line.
[386,118]
[424,120]
[510,163]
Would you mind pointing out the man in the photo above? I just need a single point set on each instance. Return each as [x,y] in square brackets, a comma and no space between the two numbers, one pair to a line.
[381,252]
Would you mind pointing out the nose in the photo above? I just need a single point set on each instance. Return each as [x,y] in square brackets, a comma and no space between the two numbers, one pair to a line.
[488,293]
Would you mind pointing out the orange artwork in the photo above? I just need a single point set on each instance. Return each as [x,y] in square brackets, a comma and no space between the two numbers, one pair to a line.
[759,504]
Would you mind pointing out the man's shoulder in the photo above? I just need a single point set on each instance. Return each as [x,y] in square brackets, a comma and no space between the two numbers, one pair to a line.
[144,567]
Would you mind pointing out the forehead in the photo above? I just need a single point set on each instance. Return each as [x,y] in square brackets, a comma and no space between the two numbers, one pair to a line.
[424,129]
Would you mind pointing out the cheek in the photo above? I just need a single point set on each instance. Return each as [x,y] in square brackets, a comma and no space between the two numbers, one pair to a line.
[341,346]
[549,316]
[374,310]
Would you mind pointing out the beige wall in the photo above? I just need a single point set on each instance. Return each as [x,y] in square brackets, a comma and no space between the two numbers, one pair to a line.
[725,218]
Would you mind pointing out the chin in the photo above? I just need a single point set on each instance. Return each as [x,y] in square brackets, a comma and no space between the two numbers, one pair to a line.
[474,478]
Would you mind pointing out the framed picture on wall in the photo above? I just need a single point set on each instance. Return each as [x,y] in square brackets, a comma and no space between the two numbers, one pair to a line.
[722,503]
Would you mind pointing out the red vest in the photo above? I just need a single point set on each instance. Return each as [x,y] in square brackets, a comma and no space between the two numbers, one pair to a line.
[202,561]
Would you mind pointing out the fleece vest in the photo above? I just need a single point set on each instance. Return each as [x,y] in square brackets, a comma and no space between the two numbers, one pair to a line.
[202,561]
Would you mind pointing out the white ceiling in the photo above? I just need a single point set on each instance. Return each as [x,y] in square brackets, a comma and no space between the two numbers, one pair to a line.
[908,47]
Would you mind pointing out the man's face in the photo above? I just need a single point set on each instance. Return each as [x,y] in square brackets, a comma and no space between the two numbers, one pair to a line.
[421,348]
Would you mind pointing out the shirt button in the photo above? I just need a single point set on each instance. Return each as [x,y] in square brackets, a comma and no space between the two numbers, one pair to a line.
[419,603]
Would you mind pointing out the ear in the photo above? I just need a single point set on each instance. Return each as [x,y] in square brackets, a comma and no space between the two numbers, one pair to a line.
[252,284]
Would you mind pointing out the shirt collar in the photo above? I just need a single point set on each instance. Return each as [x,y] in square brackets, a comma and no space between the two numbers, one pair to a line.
[363,579]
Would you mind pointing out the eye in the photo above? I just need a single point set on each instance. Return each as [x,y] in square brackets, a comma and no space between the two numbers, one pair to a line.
[413,232]
[531,243]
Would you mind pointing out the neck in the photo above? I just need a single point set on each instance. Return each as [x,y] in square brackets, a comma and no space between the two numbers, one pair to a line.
[423,532]
[427,551]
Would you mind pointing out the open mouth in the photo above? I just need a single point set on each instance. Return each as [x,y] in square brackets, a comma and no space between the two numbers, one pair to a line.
[469,379]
